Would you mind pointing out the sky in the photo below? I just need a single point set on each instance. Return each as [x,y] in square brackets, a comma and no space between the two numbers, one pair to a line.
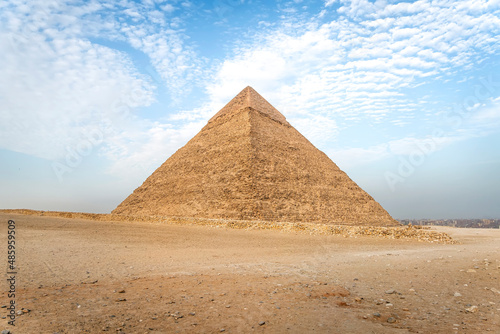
[402,96]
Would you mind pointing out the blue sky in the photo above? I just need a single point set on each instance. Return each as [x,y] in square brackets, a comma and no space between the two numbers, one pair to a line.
[403,96]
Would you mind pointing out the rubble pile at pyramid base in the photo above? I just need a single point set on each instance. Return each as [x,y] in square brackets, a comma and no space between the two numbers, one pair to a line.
[410,232]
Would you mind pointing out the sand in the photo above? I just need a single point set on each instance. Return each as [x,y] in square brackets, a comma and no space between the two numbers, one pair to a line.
[78,276]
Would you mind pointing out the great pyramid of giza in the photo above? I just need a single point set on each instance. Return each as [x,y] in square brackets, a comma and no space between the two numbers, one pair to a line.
[249,163]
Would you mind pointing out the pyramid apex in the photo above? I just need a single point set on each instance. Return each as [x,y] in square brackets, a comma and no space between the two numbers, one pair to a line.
[249,97]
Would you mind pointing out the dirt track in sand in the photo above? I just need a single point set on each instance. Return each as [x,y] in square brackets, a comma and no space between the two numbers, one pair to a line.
[200,279]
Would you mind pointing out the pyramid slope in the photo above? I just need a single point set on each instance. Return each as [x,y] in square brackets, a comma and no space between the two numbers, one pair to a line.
[248,163]
[198,179]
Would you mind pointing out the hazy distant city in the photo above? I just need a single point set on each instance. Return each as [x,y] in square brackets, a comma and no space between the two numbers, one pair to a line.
[471,223]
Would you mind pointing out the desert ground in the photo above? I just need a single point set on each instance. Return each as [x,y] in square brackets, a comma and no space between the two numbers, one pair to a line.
[84,276]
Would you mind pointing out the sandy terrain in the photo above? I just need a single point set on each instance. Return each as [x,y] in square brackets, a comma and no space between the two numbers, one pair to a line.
[78,276]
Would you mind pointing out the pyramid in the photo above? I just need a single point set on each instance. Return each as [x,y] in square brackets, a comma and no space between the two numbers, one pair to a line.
[249,163]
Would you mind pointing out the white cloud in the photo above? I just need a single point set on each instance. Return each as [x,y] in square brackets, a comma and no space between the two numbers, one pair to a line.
[347,158]
[356,66]
[403,8]
[53,89]
[259,68]
[144,148]
[57,84]
[481,122]
[169,8]
[316,128]
[487,118]
[330,2]
[322,76]
[409,145]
